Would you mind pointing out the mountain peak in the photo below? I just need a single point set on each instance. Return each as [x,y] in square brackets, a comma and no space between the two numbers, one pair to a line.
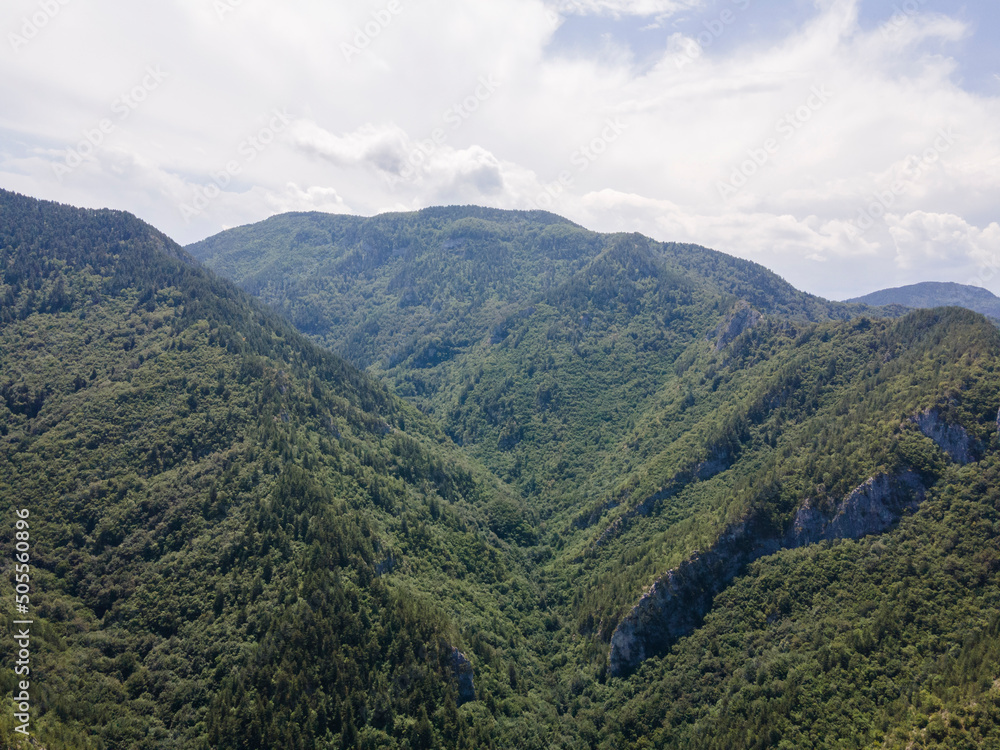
[936,294]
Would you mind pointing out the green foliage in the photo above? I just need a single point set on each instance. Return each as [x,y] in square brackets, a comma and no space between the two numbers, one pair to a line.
[523,333]
[218,508]
[242,541]
[883,642]
[582,369]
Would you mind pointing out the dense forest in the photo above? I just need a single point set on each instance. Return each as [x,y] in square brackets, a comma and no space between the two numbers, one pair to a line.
[593,491]
[242,541]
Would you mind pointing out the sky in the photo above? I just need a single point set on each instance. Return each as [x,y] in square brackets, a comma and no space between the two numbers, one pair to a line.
[848,145]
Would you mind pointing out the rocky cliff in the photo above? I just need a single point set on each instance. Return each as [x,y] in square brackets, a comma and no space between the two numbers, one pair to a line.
[871,508]
[677,602]
[462,672]
[742,318]
[953,439]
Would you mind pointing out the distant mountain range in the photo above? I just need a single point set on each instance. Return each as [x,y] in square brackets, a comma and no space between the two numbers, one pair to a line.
[936,294]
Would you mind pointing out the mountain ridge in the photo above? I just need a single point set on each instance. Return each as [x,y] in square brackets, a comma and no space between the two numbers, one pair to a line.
[936,294]
[209,486]
[246,542]
[647,399]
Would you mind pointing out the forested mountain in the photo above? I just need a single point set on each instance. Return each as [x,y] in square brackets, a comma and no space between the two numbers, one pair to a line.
[676,418]
[531,338]
[937,294]
[381,291]
[635,495]
[240,541]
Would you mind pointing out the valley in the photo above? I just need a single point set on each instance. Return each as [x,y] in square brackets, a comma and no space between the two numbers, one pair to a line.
[471,478]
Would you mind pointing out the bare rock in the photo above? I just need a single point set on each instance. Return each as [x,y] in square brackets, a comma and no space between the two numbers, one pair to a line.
[953,439]
[871,508]
[462,671]
[677,603]
[741,319]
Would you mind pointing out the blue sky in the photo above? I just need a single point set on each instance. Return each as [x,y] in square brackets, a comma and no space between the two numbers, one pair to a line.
[849,145]
[769,21]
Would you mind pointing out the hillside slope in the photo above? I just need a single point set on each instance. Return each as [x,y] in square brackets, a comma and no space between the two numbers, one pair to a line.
[729,527]
[239,539]
[521,332]
[377,286]
[679,419]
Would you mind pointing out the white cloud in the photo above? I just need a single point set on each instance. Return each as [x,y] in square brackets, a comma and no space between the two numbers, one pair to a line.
[384,148]
[944,241]
[429,166]
[314,198]
[625,7]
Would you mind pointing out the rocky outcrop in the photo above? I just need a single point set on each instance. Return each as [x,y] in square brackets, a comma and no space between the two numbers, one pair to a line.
[741,319]
[461,669]
[871,508]
[385,566]
[676,603]
[717,462]
[953,439]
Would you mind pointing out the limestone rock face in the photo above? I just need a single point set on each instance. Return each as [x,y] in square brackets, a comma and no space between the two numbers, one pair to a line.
[871,508]
[742,318]
[716,463]
[677,602]
[953,439]
[462,670]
